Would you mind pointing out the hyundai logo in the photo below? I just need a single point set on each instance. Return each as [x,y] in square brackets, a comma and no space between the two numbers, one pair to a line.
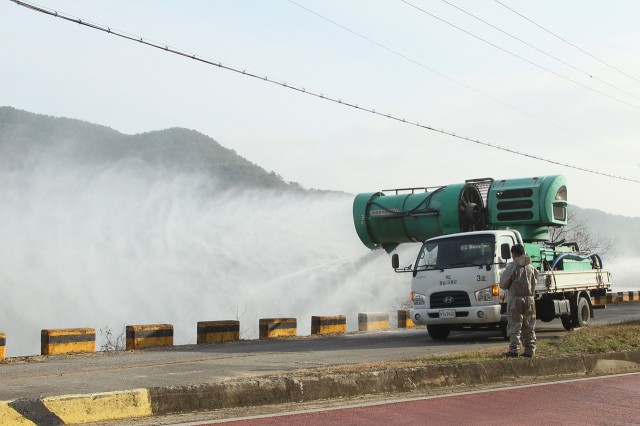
[448,299]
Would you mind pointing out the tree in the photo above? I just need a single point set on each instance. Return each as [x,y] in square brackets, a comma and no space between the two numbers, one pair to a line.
[577,231]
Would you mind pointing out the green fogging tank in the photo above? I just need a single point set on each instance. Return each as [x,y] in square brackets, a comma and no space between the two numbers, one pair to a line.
[528,205]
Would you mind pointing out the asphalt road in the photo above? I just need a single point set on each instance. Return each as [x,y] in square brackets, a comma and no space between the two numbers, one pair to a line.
[193,364]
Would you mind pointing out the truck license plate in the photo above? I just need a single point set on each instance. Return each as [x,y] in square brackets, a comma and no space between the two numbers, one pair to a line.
[447,313]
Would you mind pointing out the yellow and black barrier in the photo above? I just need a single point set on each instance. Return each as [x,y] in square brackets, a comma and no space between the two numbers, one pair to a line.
[145,336]
[615,297]
[329,324]
[277,327]
[67,340]
[218,332]
[60,341]
[612,297]
[3,346]
[373,321]
[404,319]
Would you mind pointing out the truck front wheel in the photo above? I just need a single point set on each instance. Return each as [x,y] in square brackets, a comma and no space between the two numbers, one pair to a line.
[503,330]
[438,331]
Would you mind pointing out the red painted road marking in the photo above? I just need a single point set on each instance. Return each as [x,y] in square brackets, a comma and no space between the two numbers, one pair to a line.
[599,401]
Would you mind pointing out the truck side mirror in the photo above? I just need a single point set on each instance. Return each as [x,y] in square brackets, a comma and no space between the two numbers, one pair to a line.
[505,251]
[395,261]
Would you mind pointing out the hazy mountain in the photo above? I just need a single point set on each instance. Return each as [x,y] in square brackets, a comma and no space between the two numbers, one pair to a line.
[622,230]
[25,136]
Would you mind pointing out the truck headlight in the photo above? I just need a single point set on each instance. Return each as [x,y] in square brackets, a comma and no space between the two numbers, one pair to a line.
[418,299]
[487,294]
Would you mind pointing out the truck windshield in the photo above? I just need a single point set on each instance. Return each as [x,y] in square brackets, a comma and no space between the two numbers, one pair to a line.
[456,252]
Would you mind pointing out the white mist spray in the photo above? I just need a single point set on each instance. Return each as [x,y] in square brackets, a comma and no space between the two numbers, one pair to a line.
[89,246]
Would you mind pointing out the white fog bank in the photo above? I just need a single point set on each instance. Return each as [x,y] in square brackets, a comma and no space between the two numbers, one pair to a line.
[110,246]
[125,245]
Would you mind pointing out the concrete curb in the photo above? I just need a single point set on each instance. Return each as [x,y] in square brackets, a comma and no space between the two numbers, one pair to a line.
[77,409]
[305,386]
[317,386]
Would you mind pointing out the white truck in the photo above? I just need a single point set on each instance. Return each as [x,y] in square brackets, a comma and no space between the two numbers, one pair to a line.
[455,282]
[466,231]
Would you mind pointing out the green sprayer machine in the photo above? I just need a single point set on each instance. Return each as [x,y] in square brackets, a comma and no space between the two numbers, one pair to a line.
[467,231]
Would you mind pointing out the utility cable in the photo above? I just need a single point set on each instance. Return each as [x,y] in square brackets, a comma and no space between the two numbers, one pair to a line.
[520,57]
[395,52]
[588,74]
[300,89]
[566,41]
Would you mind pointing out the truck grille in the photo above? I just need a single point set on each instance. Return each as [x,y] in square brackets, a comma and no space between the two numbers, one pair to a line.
[449,299]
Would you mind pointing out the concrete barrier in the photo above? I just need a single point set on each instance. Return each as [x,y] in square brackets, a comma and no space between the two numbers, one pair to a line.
[218,332]
[623,296]
[370,321]
[329,324]
[67,340]
[404,320]
[616,297]
[277,327]
[3,346]
[612,297]
[144,336]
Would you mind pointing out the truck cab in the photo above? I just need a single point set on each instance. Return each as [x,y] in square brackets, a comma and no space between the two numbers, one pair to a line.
[455,281]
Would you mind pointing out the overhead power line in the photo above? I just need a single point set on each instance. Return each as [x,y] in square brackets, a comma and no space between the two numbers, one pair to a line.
[520,57]
[566,41]
[301,89]
[588,74]
[466,86]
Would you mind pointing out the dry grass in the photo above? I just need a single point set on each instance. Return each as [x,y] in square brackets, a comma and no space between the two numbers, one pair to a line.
[587,340]
[592,339]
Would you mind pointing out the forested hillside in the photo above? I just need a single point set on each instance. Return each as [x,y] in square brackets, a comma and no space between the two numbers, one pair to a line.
[25,136]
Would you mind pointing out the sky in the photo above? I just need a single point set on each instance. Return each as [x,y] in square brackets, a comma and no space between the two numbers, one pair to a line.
[562,85]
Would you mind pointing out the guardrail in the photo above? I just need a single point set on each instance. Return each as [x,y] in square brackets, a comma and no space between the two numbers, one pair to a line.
[75,340]
[72,340]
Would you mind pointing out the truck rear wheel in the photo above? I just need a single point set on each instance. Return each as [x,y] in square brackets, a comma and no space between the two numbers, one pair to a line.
[581,316]
[438,331]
